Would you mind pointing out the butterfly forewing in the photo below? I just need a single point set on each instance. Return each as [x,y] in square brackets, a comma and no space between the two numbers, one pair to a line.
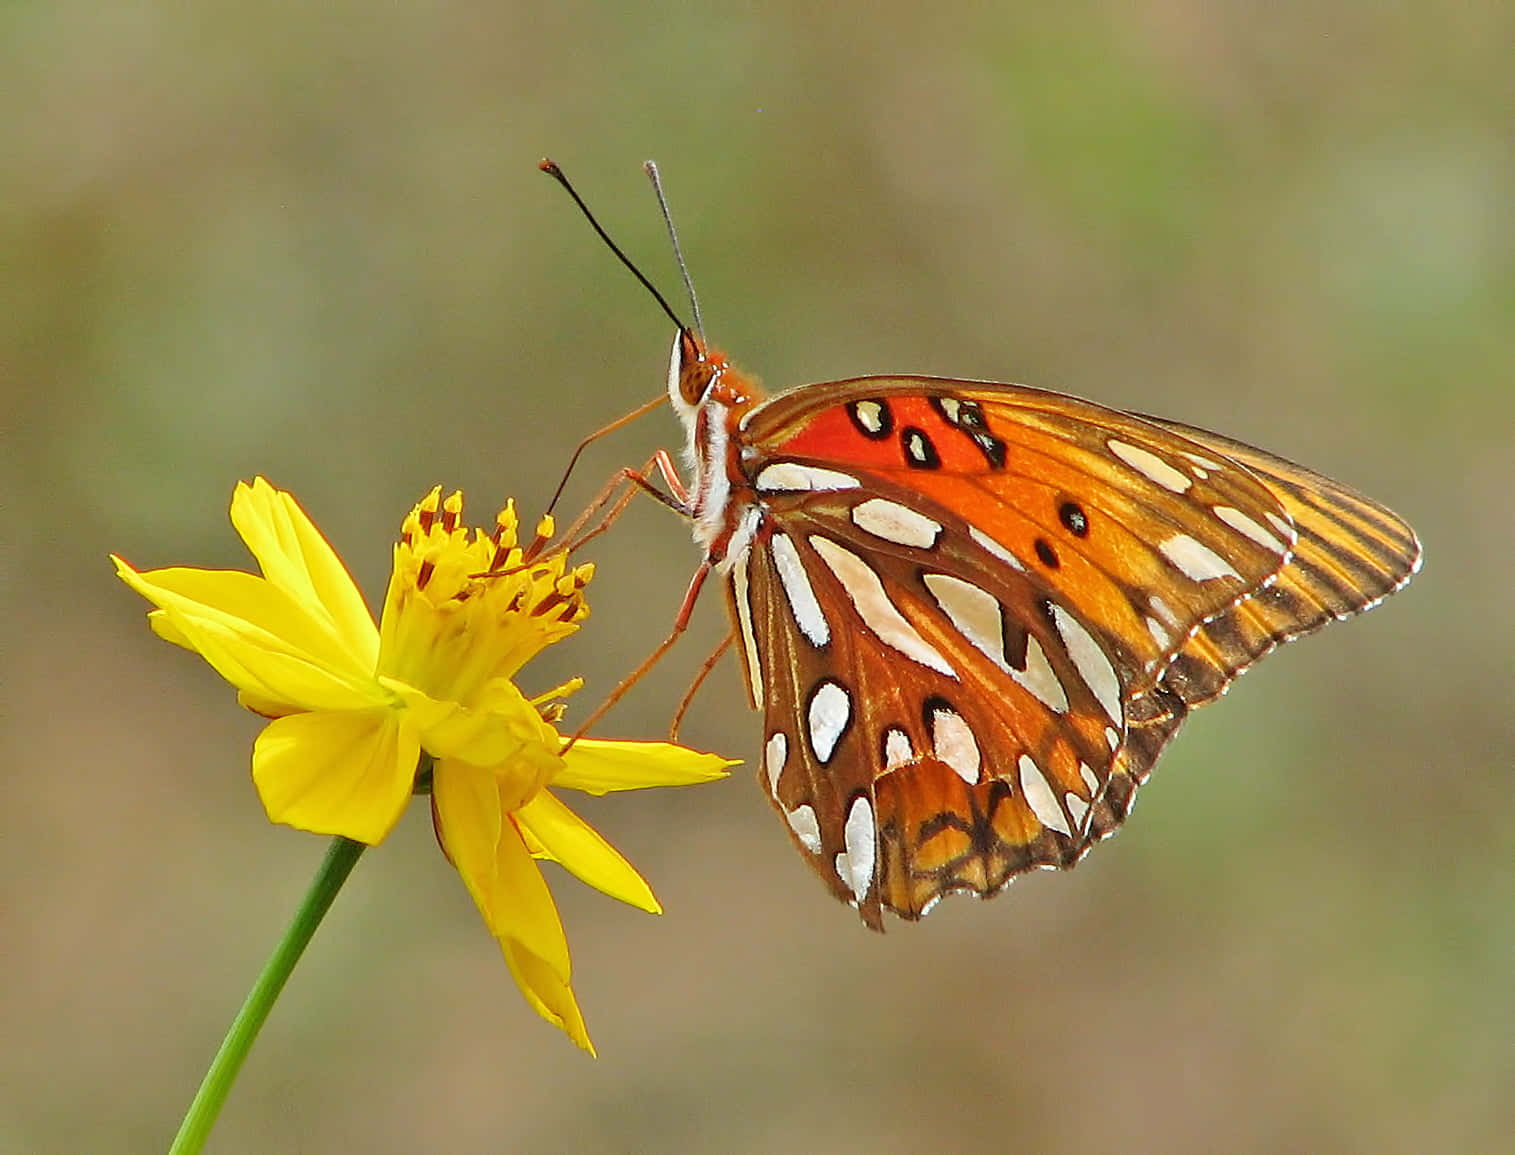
[1350,553]
[1136,525]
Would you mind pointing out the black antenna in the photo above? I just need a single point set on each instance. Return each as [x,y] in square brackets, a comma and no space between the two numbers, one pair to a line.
[551,168]
[651,169]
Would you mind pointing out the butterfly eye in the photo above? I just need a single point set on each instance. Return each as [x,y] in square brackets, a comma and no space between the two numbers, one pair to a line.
[690,371]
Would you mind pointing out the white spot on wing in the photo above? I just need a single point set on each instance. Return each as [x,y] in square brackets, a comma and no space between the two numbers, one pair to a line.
[1040,680]
[1091,780]
[1159,633]
[1243,524]
[974,612]
[953,742]
[1040,798]
[891,521]
[897,748]
[743,601]
[870,415]
[1092,663]
[1150,466]
[995,548]
[775,754]
[1197,561]
[806,828]
[855,864]
[1077,807]
[1112,737]
[1162,609]
[798,591]
[830,712]
[790,477]
[740,544]
[874,607]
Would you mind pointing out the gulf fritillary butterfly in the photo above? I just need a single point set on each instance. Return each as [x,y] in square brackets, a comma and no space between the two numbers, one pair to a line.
[973,614]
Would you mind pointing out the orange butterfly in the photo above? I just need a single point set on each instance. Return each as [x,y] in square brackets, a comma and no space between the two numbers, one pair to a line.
[973,614]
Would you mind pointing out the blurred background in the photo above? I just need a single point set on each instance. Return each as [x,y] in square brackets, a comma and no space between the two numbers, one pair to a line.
[312,243]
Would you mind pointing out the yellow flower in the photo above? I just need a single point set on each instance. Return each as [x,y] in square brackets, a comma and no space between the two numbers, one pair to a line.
[354,705]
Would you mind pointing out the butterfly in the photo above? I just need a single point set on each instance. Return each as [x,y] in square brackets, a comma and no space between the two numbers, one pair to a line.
[973,614]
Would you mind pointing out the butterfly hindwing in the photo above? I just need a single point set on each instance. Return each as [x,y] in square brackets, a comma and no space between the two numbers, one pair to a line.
[926,729]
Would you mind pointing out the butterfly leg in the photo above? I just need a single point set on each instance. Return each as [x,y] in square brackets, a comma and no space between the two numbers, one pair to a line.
[618,423]
[694,688]
[680,624]
[619,492]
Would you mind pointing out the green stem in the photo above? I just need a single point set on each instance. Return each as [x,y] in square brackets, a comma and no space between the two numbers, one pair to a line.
[201,1116]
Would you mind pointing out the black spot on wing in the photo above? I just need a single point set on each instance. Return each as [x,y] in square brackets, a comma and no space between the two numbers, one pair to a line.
[920,452]
[1074,519]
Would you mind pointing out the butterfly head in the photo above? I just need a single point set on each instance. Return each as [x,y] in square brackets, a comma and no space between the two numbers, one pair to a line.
[699,375]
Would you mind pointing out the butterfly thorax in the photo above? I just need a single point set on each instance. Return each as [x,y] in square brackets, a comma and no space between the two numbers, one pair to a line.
[711,397]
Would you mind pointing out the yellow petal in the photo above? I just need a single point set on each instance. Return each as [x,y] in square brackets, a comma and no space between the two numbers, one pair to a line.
[581,850]
[344,773]
[164,627]
[255,637]
[267,707]
[298,560]
[467,818]
[550,996]
[533,843]
[496,866]
[598,767]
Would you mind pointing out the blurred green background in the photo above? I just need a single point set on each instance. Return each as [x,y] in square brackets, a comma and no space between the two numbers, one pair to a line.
[313,244]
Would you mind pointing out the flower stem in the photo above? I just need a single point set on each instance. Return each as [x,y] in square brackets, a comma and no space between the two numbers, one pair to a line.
[201,1116]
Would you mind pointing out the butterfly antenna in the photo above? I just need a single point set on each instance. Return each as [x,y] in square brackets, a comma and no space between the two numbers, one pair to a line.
[651,169]
[551,168]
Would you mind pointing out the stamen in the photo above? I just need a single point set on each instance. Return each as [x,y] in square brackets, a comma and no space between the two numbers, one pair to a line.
[571,686]
[551,602]
[544,534]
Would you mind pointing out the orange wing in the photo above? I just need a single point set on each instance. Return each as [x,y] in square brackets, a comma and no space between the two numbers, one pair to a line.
[974,614]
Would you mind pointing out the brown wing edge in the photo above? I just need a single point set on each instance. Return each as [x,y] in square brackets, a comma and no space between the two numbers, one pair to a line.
[1350,555]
